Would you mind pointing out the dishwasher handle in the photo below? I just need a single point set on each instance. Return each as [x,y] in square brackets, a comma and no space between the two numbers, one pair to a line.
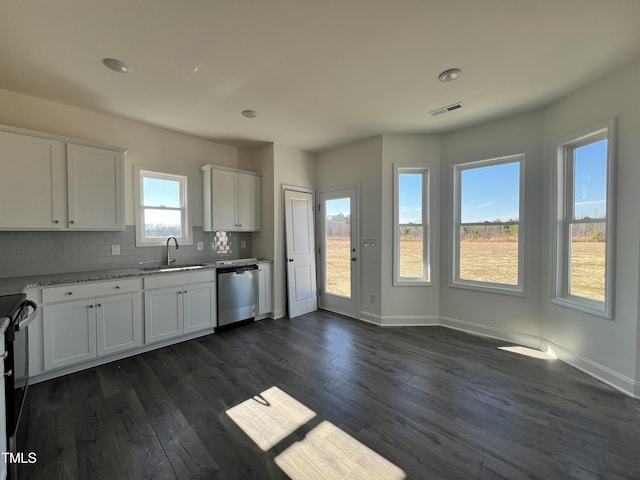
[238,270]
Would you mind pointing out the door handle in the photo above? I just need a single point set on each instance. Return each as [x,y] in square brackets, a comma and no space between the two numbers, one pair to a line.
[290,260]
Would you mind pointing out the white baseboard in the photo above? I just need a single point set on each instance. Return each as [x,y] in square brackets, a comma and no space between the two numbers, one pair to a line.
[410,321]
[524,339]
[604,374]
[600,372]
[370,317]
[400,320]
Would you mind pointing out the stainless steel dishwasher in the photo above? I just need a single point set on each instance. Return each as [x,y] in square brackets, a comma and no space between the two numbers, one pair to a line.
[237,293]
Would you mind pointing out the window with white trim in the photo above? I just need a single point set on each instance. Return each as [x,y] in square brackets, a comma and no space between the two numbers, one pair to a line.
[584,235]
[161,208]
[411,265]
[488,224]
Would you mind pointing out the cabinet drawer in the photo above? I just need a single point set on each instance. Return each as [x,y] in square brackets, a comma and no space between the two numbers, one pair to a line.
[74,291]
[172,279]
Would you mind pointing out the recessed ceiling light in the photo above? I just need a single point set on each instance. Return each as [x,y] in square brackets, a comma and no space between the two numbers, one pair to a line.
[250,113]
[449,75]
[115,65]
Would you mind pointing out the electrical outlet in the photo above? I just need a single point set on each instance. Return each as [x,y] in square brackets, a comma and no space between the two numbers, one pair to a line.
[115,249]
[243,244]
[372,298]
[200,246]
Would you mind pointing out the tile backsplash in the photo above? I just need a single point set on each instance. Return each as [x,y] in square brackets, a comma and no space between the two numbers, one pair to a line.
[34,253]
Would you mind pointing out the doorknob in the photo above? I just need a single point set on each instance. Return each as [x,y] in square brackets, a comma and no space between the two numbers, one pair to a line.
[291,260]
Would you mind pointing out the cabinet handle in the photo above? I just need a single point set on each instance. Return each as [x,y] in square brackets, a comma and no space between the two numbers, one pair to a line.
[8,373]
[185,291]
[90,306]
[56,221]
[100,305]
[72,221]
[69,293]
[117,287]
[180,293]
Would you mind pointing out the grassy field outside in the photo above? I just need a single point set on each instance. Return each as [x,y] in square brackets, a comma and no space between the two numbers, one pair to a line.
[491,261]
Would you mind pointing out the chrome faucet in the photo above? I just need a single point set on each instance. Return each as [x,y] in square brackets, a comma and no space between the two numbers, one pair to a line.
[169,261]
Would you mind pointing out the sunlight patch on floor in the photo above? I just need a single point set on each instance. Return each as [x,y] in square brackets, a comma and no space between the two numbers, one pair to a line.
[328,453]
[531,352]
[270,417]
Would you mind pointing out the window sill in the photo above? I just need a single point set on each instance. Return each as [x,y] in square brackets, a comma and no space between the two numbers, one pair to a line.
[409,283]
[491,288]
[592,308]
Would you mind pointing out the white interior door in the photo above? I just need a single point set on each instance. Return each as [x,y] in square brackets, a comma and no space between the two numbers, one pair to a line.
[300,249]
[338,251]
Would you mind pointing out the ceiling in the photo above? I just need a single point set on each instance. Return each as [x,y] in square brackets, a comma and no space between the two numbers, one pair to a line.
[319,72]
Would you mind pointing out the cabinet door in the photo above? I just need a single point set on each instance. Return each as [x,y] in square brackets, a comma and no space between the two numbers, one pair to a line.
[264,288]
[119,323]
[95,188]
[223,200]
[163,314]
[199,307]
[69,333]
[32,183]
[249,204]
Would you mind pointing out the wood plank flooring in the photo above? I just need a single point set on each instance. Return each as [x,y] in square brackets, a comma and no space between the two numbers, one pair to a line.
[438,403]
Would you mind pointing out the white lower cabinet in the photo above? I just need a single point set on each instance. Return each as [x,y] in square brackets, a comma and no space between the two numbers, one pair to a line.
[84,321]
[85,329]
[264,288]
[70,333]
[179,307]
[199,307]
[163,314]
[119,323]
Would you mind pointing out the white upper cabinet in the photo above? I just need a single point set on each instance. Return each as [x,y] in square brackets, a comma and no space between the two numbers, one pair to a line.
[224,193]
[249,192]
[32,183]
[95,188]
[231,200]
[51,183]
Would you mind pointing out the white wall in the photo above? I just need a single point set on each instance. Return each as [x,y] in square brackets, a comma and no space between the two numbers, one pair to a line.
[409,305]
[611,348]
[508,316]
[359,165]
[263,241]
[147,145]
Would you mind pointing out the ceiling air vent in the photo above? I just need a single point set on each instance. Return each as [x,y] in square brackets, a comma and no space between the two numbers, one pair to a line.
[447,109]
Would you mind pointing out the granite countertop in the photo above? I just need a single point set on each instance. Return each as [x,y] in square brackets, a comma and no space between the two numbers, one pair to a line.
[19,284]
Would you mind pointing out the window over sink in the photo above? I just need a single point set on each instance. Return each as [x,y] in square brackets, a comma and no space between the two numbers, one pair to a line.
[161,207]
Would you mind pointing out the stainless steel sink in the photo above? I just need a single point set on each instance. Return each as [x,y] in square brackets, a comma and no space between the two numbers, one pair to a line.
[173,268]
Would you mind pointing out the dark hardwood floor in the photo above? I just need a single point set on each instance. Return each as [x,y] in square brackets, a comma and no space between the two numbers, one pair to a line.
[436,402]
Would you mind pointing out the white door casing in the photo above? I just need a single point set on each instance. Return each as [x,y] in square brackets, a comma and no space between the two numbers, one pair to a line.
[300,253]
